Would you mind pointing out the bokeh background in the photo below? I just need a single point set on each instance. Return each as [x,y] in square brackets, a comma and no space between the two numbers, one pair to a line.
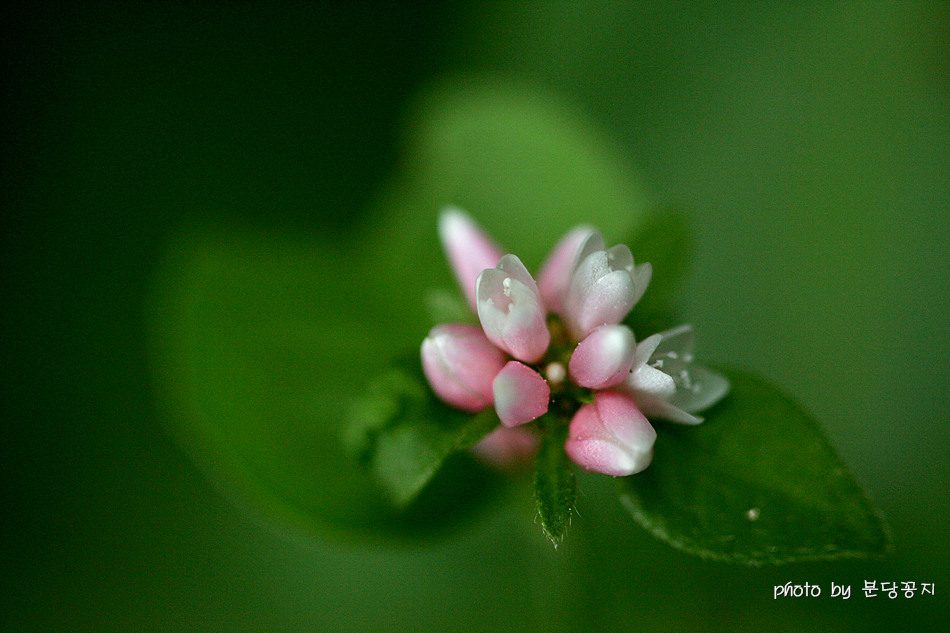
[808,143]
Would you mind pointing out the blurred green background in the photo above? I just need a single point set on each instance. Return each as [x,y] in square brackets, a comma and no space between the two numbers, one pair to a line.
[810,145]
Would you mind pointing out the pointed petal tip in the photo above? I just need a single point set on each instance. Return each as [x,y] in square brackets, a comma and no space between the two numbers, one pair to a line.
[707,388]
[510,310]
[467,247]
[555,273]
[452,222]
[592,243]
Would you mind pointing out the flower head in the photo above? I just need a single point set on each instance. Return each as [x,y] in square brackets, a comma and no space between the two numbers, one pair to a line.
[561,341]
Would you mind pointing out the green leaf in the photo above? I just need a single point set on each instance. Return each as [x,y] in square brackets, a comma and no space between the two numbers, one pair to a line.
[403,433]
[260,342]
[756,483]
[555,487]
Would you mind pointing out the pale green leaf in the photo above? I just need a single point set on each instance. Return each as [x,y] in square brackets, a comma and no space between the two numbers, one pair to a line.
[261,342]
[402,433]
[524,165]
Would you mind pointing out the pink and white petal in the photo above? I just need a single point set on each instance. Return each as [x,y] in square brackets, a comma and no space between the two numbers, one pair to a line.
[520,393]
[513,267]
[593,244]
[507,449]
[624,420]
[468,249]
[703,389]
[473,358]
[556,271]
[526,335]
[657,408]
[606,302]
[641,276]
[446,384]
[601,456]
[604,358]
[510,311]
[649,380]
[646,347]
[611,436]
[460,364]
[492,304]
[588,270]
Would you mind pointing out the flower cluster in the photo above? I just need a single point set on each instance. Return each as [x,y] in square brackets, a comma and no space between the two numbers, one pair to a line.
[558,345]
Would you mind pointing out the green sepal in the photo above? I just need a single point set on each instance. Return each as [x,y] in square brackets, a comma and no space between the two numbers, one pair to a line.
[555,487]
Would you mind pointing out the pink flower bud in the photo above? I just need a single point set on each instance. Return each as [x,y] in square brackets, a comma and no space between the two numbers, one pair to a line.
[611,436]
[604,358]
[556,271]
[510,310]
[460,364]
[604,286]
[468,249]
[521,394]
[507,449]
